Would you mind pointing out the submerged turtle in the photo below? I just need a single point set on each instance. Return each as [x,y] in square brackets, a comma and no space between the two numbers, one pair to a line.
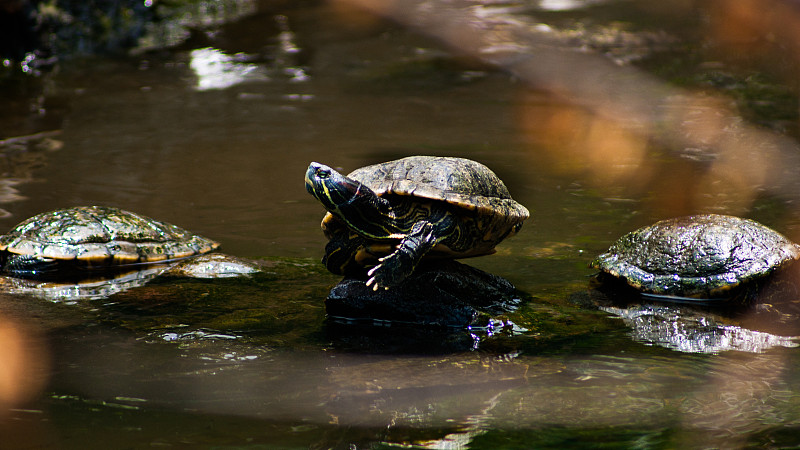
[93,238]
[702,256]
[392,214]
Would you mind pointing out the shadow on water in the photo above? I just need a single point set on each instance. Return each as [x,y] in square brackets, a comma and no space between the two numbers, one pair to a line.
[214,132]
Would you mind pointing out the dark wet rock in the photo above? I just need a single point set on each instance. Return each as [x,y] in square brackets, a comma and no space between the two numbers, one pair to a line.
[444,293]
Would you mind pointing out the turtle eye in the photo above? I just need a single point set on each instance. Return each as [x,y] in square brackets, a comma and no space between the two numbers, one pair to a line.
[323,174]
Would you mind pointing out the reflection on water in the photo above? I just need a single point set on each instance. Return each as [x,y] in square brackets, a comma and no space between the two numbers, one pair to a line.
[20,156]
[474,425]
[687,331]
[216,70]
[102,286]
[93,289]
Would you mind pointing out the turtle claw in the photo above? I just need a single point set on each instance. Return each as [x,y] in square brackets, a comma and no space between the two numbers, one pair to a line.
[371,283]
[373,278]
[395,267]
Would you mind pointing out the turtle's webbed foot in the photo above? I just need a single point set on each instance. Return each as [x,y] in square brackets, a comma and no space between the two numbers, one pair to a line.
[392,270]
[372,281]
[388,273]
[396,267]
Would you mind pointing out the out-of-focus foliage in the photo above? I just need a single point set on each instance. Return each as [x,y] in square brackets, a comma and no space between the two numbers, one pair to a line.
[35,33]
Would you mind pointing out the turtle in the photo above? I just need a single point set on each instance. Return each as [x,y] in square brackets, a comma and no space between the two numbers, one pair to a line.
[701,256]
[88,239]
[386,217]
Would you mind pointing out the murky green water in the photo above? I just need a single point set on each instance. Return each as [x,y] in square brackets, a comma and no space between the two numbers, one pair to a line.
[215,136]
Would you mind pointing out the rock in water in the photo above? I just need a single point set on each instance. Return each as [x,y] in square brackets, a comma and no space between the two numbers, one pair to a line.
[445,293]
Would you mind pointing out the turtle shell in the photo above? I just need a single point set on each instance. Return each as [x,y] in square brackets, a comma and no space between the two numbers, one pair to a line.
[697,256]
[463,183]
[101,236]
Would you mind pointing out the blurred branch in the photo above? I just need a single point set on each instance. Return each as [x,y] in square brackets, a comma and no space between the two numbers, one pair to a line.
[16,140]
[678,120]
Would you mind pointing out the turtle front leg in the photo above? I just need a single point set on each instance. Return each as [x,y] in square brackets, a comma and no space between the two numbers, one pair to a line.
[396,267]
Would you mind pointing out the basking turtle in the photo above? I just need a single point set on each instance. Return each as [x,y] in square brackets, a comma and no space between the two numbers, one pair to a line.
[93,238]
[392,214]
[701,256]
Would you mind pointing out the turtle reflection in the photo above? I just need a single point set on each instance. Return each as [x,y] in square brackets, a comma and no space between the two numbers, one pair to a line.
[698,327]
[683,329]
[105,285]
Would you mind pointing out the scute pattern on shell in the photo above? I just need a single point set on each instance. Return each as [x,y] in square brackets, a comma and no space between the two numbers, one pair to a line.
[97,233]
[459,181]
[698,255]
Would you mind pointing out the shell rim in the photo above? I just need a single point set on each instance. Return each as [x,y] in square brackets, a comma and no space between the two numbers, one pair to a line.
[614,264]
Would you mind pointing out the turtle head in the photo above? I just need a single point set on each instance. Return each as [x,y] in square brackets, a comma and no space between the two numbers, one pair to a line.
[336,192]
[359,207]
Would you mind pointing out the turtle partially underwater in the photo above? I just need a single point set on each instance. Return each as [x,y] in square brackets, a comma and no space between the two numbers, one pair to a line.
[389,216]
[702,256]
[93,238]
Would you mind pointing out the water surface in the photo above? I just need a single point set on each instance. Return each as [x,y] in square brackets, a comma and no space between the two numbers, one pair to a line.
[215,135]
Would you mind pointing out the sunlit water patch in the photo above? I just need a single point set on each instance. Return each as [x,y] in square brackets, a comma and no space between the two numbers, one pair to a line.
[216,70]
[566,5]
